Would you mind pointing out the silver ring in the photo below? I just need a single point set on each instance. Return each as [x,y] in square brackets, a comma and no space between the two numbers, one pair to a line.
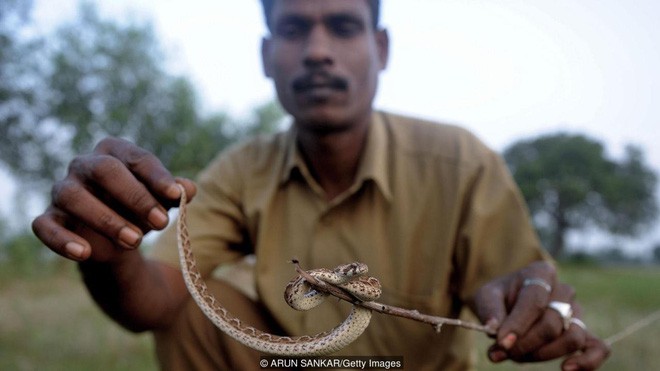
[579,322]
[565,311]
[537,282]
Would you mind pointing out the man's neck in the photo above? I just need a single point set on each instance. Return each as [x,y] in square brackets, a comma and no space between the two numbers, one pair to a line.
[334,158]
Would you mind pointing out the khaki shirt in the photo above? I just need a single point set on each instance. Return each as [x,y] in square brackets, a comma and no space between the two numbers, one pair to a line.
[433,212]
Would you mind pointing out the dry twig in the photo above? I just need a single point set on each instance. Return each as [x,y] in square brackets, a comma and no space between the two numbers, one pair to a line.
[436,322]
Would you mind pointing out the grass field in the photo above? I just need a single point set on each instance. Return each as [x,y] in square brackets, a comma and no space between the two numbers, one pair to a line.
[612,298]
[48,322]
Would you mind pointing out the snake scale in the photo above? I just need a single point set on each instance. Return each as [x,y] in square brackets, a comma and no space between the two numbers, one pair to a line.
[299,294]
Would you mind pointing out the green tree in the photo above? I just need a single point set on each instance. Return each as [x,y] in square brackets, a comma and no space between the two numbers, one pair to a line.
[109,80]
[13,56]
[20,83]
[569,183]
[61,93]
[100,78]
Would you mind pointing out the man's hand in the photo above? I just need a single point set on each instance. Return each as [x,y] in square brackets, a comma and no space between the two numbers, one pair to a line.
[529,329]
[107,202]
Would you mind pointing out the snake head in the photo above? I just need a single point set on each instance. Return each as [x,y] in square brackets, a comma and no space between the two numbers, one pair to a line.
[351,269]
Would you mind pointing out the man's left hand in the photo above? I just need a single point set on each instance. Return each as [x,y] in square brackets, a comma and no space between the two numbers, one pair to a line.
[537,319]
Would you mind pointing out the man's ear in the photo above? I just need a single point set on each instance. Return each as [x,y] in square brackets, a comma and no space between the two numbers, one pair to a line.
[266,44]
[383,45]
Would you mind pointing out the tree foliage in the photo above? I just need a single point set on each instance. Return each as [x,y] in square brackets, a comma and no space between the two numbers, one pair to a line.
[99,78]
[20,79]
[569,183]
[61,93]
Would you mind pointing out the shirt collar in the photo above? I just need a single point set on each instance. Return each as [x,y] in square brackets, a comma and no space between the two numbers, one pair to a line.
[373,164]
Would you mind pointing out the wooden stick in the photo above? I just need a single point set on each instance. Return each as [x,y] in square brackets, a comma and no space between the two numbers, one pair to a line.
[436,322]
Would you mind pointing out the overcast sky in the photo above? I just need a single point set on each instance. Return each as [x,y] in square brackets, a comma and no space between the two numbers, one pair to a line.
[505,69]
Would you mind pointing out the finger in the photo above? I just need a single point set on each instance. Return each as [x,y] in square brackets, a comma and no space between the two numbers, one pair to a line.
[490,304]
[49,228]
[189,186]
[593,354]
[111,179]
[548,329]
[569,342]
[530,303]
[144,165]
[72,198]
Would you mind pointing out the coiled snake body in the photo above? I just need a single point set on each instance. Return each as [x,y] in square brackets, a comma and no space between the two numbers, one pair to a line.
[299,294]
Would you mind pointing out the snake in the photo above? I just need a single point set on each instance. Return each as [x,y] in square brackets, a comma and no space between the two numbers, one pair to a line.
[299,294]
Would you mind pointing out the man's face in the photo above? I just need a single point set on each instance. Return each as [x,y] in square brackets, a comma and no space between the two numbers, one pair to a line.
[324,58]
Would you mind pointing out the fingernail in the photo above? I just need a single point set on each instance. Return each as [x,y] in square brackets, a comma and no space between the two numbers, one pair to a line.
[493,324]
[75,249]
[157,218]
[173,191]
[571,367]
[508,341]
[130,237]
[497,356]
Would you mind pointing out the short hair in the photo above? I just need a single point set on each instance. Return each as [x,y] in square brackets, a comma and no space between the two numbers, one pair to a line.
[374,6]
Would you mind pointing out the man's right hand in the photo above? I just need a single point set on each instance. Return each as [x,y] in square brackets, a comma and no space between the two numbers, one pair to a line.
[107,202]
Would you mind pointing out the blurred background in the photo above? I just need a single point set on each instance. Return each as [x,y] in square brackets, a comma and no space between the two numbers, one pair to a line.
[567,91]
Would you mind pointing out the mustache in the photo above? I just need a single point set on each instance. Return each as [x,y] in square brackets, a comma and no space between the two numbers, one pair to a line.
[317,79]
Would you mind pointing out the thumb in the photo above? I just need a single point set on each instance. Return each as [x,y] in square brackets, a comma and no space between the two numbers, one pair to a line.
[490,305]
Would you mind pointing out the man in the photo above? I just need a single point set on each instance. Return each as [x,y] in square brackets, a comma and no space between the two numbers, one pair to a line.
[431,210]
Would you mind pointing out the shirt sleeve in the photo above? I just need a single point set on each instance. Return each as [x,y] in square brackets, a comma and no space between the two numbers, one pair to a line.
[216,222]
[496,236]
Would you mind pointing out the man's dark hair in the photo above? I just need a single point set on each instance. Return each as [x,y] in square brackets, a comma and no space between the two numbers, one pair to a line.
[374,6]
